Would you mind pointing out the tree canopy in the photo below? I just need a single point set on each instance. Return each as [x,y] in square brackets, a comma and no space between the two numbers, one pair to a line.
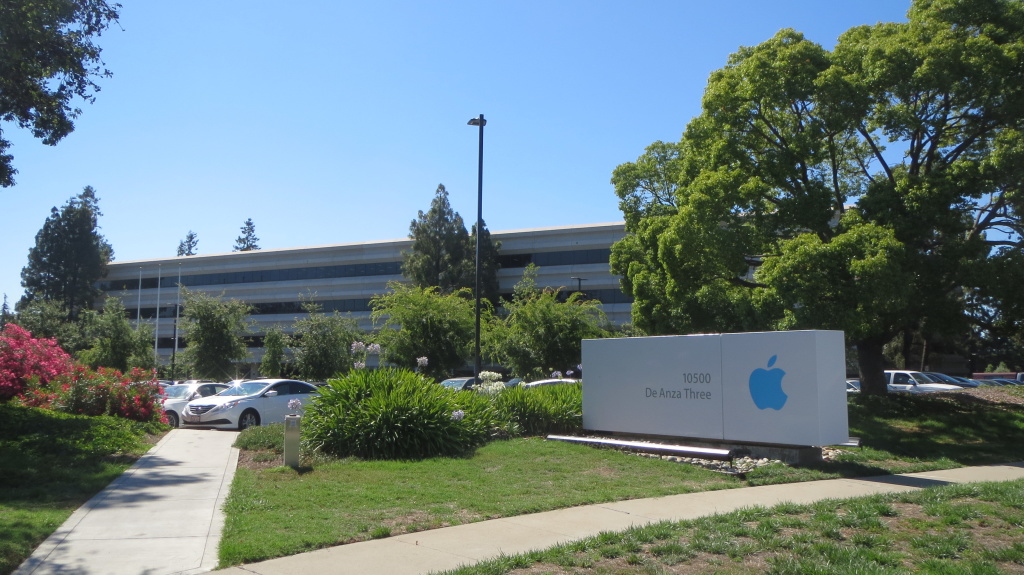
[874,188]
[214,331]
[246,242]
[114,343]
[322,343]
[422,322]
[542,332]
[48,58]
[69,257]
[443,253]
[187,246]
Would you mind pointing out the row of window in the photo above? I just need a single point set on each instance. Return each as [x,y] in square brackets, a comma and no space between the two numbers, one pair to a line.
[605,296]
[562,258]
[267,308]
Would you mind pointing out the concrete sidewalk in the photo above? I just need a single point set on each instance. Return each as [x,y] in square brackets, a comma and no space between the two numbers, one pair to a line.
[451,547]
[162,516]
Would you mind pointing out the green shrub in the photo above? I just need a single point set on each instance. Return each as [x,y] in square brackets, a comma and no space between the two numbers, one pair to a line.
[394,414]
[542,410]
[262,437]
[39,432]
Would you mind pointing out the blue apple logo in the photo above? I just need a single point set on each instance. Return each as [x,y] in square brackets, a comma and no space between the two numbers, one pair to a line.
[766,387]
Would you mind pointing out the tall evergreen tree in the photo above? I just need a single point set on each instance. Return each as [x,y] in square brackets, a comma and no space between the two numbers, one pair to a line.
[69,257]
[5,313]
[187,246]
[443,253]
[247,241]
[439,250]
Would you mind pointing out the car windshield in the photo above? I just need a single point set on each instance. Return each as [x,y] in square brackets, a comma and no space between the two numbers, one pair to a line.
[247,388]
[456,383]
[176,391]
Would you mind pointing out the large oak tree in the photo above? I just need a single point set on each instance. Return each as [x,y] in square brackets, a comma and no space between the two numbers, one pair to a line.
[874,188]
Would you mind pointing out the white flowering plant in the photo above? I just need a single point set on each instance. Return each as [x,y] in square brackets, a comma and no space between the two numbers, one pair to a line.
[490,383]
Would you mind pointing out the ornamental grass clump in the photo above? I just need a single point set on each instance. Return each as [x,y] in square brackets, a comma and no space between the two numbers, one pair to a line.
[394,414]
[542,410]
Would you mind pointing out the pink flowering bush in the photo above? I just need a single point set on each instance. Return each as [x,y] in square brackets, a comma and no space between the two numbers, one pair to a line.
[25,359]
[82,391]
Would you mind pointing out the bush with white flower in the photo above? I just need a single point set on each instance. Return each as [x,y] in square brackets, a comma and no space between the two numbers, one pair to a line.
[490,383]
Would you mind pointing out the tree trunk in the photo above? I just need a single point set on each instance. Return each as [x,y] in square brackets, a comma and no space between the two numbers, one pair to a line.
[870,364]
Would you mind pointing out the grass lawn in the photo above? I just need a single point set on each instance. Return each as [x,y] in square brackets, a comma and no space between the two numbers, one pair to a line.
[275,511]
[52,463]
[957,529]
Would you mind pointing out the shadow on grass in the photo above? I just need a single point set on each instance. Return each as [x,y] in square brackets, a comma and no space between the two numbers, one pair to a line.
[962,428]
[50,464]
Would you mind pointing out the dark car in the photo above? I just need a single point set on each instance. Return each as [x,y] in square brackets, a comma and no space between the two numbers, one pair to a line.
[943,378]
[459,383]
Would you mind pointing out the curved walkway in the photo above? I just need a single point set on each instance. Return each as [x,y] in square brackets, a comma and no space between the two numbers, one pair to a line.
[451,547]
[163,517]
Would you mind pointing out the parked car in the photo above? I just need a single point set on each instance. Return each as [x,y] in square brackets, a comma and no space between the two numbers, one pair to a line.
[915,382]
[943,378]
[553,381]
[853,386]
[176,397]
[459,383]
[250,403]
[1005,381]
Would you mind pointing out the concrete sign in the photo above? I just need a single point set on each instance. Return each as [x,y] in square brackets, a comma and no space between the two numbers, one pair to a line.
[773,387]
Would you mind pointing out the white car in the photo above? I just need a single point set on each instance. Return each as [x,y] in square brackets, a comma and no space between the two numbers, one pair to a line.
[553,381]
[176,397]
[915,382]
[250,403]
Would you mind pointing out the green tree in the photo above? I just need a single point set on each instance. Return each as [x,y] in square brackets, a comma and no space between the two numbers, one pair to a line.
[114,342]
[443,253]
[490,263]
[247,241]
[274,343]
[322,343]
[214,331]
[49,319]
[48,58]
[543,332]
[5,314]
[187,246]
[759,231]
[69,257]
[423,322]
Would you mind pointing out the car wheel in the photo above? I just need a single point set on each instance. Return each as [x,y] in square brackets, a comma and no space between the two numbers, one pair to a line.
[249,419]
[172,419]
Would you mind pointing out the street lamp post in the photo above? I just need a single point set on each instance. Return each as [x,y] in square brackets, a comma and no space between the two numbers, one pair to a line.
[480,122]
[579,283]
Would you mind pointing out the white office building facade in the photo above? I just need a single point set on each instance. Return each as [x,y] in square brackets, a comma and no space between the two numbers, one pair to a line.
[344,277]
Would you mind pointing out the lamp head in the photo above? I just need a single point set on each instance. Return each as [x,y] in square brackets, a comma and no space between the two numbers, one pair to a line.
[478,121]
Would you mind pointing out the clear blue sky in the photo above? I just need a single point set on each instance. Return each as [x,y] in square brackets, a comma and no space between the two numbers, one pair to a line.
[331,122]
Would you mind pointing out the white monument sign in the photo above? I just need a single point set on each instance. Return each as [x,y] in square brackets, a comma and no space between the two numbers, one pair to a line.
[771,387]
